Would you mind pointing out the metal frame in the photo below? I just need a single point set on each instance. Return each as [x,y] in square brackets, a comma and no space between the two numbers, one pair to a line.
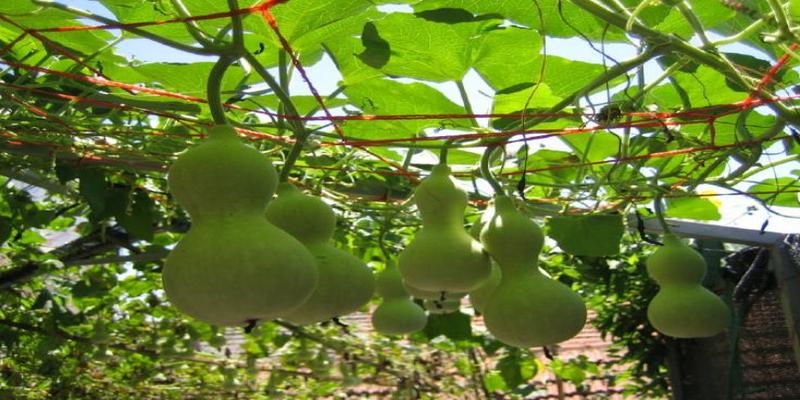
[780,261]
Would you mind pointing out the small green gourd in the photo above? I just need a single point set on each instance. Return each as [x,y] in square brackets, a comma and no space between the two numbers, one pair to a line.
[683,308]
[397,314]
[527,308]
[232,266]
[442,256]
[345,282]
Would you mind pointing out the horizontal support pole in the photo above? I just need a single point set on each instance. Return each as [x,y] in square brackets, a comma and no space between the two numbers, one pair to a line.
[703,231]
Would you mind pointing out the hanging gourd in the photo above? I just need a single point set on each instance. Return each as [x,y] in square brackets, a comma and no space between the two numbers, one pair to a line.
[397,314]
[345,282]
[683,308]
[527,308]
[233,266]
[442,257]
[480,295]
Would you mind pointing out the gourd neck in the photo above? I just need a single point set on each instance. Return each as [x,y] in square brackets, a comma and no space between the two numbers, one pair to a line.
[443,221]
[226,215]
[222,132]
[287,189]
[513,272]
[672,240]
[439,200]
[503,204]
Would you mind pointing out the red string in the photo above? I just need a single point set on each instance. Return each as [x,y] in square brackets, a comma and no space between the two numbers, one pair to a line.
[226,14]
[769,75]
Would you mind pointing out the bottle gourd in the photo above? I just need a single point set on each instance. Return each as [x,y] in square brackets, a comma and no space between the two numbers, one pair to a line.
[527,308]
[683,308]
[480,295]
[397,314]
[442,257]
[345,282]
[233,266]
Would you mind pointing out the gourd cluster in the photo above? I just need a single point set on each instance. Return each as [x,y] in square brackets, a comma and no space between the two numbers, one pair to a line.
[250,258]
[496,266]
[245,261]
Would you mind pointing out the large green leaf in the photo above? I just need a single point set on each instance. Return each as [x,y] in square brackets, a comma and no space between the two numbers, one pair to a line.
[387,97]
[425,49]
[697,208]
[510,56]
[778,191]
[185,78]
[557,23]
[455,326]
[308,23]
[587,235]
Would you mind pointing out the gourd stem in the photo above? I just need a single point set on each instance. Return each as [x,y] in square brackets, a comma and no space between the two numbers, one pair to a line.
[487,173]
[659,208]
[214,87]
[443,152]
[294,154]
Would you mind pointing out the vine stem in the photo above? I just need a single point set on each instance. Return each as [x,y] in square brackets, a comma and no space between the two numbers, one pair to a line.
[273,84]
[214,89]
[465,98]
[294,154]
[701,56]
[192,26]
[659,208]
[487,173]
[141,32]
[237,26]
[765,167]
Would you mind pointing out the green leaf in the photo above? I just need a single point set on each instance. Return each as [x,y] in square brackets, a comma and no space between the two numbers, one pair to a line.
[594,146]
[560,18]
[140,219]
[386,97]
[6,226]
[778,192]
[509,56]
[693,208]
[510,369]
[93,187]
[587,235]
[494,382]
[455,326]
[429,50]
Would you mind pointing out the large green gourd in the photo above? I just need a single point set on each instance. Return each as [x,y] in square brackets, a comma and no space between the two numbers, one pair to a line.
[683,308]
[480,295]
[345,282]
[397,314]
[233,265]
[442,256]
[527,308]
